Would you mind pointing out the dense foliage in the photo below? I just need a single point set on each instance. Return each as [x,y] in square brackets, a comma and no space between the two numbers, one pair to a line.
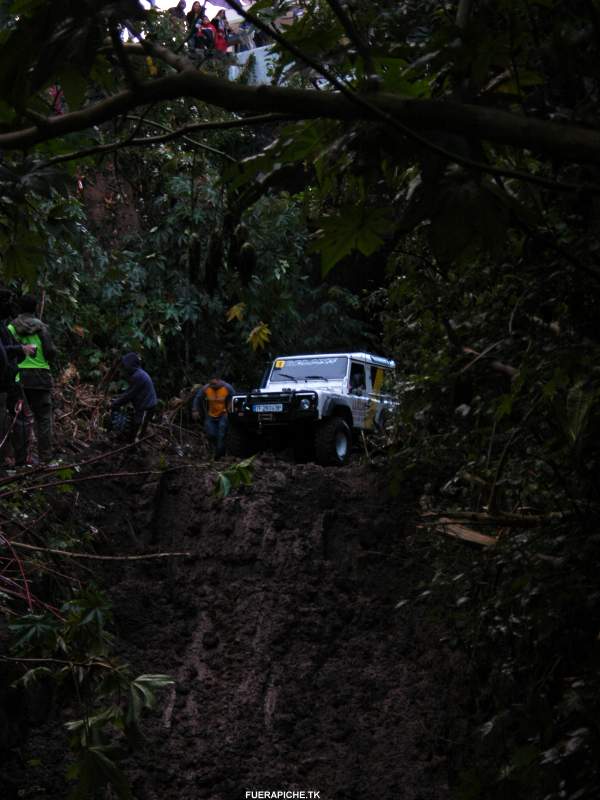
[443,156]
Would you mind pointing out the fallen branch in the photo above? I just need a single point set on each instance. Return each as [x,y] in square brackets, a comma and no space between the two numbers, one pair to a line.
[41,470]
[499,520]
[450,528]
[81,479]
[93,556]
[93,662]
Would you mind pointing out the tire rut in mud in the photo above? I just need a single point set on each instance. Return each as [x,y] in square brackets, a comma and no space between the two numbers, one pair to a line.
[293,669]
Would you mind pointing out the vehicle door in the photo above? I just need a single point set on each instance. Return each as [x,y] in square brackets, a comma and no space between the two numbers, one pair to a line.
[375,377]
[357,388]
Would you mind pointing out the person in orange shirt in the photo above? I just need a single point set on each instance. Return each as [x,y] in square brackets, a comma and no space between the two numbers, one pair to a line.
[215,397]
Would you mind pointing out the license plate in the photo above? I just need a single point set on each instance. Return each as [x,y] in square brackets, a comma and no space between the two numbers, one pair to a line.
[267,408]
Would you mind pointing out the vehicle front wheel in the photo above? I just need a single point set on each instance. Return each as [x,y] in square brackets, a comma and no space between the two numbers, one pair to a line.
[240,443]
[332,442]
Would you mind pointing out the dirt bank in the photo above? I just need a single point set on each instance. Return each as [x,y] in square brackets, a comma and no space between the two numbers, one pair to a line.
[293,668]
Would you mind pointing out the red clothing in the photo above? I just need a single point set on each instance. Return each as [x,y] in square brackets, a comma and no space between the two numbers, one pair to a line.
[220,41]
[212,32]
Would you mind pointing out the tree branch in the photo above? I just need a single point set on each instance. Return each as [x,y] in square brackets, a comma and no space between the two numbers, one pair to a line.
[93,556]
[353,34]
[364,103]
[567,142]
[130,75]
[462,13]
[146,47]
[173,134]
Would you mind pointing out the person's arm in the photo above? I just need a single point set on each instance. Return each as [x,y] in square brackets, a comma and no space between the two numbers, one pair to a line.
[13,350]
[129,395]
[47,344]
[230,393]
[18,350]
[197,403]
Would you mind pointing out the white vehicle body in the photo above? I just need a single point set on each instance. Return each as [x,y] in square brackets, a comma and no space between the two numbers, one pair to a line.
[301,393]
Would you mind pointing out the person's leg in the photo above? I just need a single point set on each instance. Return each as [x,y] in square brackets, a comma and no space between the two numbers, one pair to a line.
[21,437]
[40,401]
[10,408]
[221,433]
[4,426]
[146,419]
[211,430]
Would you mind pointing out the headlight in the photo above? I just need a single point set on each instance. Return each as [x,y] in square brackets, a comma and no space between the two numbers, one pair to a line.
[305,403]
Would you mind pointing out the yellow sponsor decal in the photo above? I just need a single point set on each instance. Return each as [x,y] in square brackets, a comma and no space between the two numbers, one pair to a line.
[279,364]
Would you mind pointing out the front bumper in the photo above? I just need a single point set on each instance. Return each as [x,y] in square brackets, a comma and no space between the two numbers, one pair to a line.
[258,411]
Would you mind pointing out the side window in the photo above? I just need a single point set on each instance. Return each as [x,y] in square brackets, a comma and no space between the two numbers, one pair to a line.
[358,378]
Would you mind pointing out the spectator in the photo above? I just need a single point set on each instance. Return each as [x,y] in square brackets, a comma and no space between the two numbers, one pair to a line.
[10,394]
[141,394]
[246,36]
[195,13]
[216,397]
[35,381]
[178,11]
[224,36]
[206,33]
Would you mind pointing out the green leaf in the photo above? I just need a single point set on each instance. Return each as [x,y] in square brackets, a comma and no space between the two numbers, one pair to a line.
[25,8]
[7,112]
[95,770]
[21,262]
[223,486]
[353,228]
[141,695]
[32,676]
[468,217]
[34,630]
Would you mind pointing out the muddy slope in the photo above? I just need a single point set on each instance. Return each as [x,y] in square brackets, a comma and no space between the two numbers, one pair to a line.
[293,667]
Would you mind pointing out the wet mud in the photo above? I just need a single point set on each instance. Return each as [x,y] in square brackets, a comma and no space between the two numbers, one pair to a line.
[293,668]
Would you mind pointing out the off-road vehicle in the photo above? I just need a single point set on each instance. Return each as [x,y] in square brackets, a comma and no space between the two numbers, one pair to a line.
[313,402]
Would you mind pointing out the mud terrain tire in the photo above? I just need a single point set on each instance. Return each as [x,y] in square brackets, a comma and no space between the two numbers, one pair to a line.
[332,442]
[239,442]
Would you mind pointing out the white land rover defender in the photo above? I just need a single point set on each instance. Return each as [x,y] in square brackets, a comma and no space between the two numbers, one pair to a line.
[314,403]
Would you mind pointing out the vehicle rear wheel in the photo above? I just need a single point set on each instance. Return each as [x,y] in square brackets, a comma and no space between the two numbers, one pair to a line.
[240,443]
[332,442]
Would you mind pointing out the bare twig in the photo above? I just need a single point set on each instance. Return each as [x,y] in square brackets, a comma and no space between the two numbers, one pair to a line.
[499,520]
[261,119]
[479,356]
[353,34]
[122,56]
[93,556]
[39,470]
[92,662]
[81,479]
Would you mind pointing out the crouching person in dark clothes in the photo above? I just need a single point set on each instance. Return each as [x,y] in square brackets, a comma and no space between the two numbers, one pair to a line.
[141,394]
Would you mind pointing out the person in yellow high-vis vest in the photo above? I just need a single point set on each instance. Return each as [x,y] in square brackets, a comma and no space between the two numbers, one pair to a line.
[35,379]
[11,352]
[215,396]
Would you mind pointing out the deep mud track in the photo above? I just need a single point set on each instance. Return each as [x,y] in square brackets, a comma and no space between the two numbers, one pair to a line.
[293,668]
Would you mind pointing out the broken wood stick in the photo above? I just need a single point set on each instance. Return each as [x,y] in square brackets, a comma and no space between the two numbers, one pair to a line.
[70,554]
[450,528]
[499,520]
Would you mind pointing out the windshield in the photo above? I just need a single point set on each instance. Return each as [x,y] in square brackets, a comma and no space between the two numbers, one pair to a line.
[309,369]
